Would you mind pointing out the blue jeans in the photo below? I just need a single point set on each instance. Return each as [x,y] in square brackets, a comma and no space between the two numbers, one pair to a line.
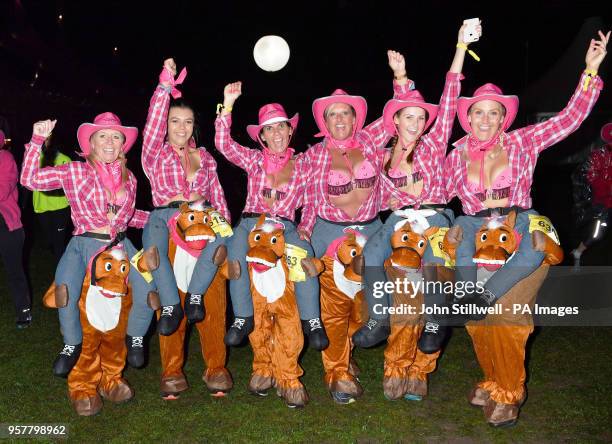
[524,262]
[71,271]
[156,233]
[378,249]
[307,292]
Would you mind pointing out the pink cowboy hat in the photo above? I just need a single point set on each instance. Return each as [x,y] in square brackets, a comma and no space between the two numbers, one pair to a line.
[105,121]
[487,91]
[319,106]
[269,114]
[606,133]
[411,98]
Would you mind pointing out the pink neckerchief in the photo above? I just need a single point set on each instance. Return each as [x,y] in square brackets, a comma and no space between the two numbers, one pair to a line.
[166,77]
[111,176]
[403,156]
[273,162]
[478,149]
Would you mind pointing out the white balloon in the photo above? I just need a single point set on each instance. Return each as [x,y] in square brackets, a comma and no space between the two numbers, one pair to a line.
[271,53]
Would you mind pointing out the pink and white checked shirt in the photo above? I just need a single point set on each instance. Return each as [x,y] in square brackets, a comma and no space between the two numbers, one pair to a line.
[162,165]
[317,202]
[523,146]
[430,154]
[84,191]
[251,160]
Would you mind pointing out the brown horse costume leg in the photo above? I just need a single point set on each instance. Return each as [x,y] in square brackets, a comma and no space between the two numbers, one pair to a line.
[288,341]
[172,351]
[262,377]
[341,317]
[499,342]
[211,331]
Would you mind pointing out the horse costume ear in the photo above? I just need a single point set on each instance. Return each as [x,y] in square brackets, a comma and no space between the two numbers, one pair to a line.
[261,220]
[430,231]
[184,207]
[351,237]
[511,219]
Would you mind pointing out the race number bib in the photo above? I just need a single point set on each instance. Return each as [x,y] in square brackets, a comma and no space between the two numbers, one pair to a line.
[219,225]
[542,223]
[435,241]
[145,274]
[294,256]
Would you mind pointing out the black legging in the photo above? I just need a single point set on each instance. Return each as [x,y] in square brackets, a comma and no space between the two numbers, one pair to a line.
[11,250]
[56,226]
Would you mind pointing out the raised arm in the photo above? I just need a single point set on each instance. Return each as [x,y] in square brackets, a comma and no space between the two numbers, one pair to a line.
[154,132]
[540,136]
[234,152]
[32,176]
[376,130]
[441,130]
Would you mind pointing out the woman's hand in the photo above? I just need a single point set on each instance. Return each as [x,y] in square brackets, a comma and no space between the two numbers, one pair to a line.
[43,128]
[303,234]
[397,63]
[461,36]
[597,51]
[394,204]
[231,92]
[169,66]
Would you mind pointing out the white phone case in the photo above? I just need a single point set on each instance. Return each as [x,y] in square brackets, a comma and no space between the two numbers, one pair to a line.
[469,34]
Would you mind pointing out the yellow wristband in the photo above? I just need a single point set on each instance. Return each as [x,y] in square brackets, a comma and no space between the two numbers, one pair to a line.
[220,107]
[469,51]
[590,73]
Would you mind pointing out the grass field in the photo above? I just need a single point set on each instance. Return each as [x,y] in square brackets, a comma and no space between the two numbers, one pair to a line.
[569,386]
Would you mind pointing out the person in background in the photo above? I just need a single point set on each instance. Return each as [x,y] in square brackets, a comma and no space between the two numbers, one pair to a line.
[12,237]
[598,175]
[51,207]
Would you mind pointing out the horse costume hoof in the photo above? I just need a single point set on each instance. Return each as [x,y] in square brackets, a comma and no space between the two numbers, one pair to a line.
[88,406]
[121,392]
[478,397]
[153,300]
[194,307]
[219,255]
[169,319]
[66,359]
[170,387]
[374,332]
[501,415]
[151,258]
[417,390]
[61,295]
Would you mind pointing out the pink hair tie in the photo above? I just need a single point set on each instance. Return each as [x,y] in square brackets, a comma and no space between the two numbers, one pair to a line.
[166,76]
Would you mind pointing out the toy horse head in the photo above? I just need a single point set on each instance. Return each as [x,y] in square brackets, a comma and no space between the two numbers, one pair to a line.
[346,250]
[193,225]
[109,272]
[408,245]
[496,241]
[266,244]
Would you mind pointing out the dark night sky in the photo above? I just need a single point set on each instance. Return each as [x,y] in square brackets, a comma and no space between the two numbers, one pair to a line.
[535,51]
